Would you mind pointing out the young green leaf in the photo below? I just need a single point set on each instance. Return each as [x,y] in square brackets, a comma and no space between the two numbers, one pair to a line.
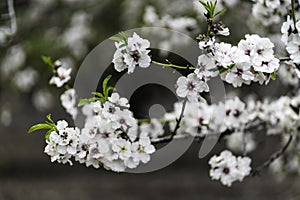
[49,118]
[116,39]
[122,45]
[110,88]
[39,127]
[98,94]
[83,102]
[273,76]
[124,35]
[220,12]
[105,82]
[48,133]
[47,60]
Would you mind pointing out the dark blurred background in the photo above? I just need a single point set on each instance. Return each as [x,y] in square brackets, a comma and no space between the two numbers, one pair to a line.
[68,30]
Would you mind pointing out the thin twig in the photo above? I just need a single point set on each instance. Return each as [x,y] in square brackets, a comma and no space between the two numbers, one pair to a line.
[177,126]
[274,157]
[200,137]
[173,66]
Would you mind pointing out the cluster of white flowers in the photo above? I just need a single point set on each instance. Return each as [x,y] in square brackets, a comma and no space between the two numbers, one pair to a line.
[198,118]
[236,115]
[269,12]
[190,87]
[131,54]
[62,143]
[280,115]
[291,38]
[251,60]
[108,139]
[154,129]
[228,168]
[112,138]
[62,75]
[289,73]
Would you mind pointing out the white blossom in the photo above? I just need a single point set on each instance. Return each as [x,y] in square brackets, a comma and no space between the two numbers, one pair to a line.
[142,150]
[227,168]
[153,129]
[190,87]
[293,48]
[68,101]
[206,67]
[134,54]
[61,77]
[239,74]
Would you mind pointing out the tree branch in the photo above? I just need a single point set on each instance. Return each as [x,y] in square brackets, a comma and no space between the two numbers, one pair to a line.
[179,120]
[274,157]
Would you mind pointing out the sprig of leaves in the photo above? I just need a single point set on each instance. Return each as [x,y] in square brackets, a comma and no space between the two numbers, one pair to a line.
[48,61]
[48,125]
[210,7]
[103,97]
[123,38]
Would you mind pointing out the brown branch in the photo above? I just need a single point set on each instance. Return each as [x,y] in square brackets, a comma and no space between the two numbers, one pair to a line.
[178,120]
[274,157]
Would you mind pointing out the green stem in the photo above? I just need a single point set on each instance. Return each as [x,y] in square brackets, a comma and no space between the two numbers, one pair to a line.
[209,26]
[173,66]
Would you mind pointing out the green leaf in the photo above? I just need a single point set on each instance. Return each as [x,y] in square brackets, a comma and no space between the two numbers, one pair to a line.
[231,66]
[105,82]
[273,76]
[47,135]
[222,70]
[110,88]
[122,45]
[39,127]
[205,5]
[123,35]
[116,39]
[220,12]
[82,102]
[47,60]
[49,118]
[98,94]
